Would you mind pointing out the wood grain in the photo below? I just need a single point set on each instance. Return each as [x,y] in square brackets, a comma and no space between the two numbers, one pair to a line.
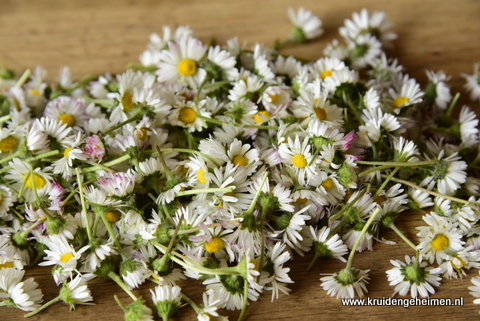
[93,37]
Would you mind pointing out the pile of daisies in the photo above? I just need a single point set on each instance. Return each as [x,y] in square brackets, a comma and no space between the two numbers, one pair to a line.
[219,163]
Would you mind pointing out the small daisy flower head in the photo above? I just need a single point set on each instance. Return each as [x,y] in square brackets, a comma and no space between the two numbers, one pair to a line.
[346,283]
[180,63]
[408,93]
[447,175]
[76,292]
[274,276]
[10,140]
[306,25]
[68,111]
[34,181]
[440,239]
[209,308]
[188,115]
[437,90]
[296,155]
[375,25]
[62,253]
[413,276]
[22,295]
[325,246]
[94,148]
[462,260]
[166,299]
[117,185]
[7,198]
[473,83]
[364,50]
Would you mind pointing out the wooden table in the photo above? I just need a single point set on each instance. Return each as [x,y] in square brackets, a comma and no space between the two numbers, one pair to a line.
[103,36]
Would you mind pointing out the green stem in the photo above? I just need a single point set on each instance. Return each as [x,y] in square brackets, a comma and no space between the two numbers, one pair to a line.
[216,84]
[455,199]
[387,165]
[100,166]
[151,68]
[107,164]
[81,83]
[117,279]
[23,78]
[251,208]
[46,305]
[112,234]
[182,260]
[119,303]
[385,182]
[25,233]
[192,304]
[245,298]
[6,159]
[452,104]
[123,123]
[357,241]
[5,118]
[84,207]
[195,229]
[211,120]
[185,150]
[204,190]
[402,236]
[76,190]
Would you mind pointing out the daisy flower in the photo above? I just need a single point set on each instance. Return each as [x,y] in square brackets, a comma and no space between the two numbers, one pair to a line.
[364,50]
[289,227]
[76,292]
[473,83]
[188,115]
[376,25]
[324,67]
[346,283]
[296,156]
[35,181]
[7,198]
[23,295]
[407,94]
[413,276]
[224,64]
[209,308]
[440,239]
[180,63]
[61,253]
[68,111]
[307,25]
[117,185]
[437,90]
[274,276]
[325,246]
[166,299]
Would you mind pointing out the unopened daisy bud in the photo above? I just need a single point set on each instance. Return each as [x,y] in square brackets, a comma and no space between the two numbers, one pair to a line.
[76,292]
[347,176]
[137,311]
[55,225]
[167,300]
[94,149]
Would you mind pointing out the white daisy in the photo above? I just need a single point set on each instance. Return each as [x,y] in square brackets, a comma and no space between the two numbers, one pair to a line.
[166,299]
[23,295]
[326,246]
[61,253]
[180,63]
[473,83]
[76,292]
[345,283]
[307,25]
[296,156]
[413,276]
[437,90]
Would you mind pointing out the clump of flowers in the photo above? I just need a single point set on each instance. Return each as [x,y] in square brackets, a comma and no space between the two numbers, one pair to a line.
[219,163]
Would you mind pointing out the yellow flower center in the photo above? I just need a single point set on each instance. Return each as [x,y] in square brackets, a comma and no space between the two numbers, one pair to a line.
[214,245]
[400,101]
[440,242]
[201,176]
[327,184]
[325,74]
[127,102]
[320,113]
[6,265]
[187,67]
[239,160]
[380,199]
[36,181]
[187,115]
[66,257]
[113,216]
[142,133]
[34,92]
[273,98]
[459,260]
[258,119]
[299,161]
[67,119]
[257,267]
[8,144]
[301,200]
[67,151]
